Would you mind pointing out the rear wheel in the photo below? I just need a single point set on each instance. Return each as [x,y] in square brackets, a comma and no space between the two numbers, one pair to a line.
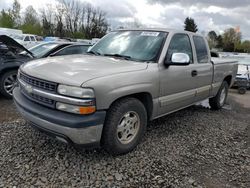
[7,83]
[242,90]
[124,126]
[219,100]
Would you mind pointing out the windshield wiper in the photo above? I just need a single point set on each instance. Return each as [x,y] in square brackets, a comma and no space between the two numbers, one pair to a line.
[119,55]
[93,52]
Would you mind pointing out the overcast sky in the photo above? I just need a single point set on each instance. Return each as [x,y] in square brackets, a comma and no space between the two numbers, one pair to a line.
[209,14]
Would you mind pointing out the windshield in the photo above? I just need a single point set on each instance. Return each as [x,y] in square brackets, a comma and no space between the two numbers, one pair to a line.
[41,49]
[131,45]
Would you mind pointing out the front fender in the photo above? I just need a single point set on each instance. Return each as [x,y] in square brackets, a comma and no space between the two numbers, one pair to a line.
[110,88]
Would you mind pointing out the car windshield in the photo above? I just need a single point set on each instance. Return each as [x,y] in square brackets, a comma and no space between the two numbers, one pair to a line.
[131,45]
[41,49]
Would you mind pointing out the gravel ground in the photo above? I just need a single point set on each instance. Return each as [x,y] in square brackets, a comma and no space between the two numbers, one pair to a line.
[195,147]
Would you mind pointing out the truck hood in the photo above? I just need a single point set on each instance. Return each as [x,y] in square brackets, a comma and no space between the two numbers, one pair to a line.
[77,69]
[13,45]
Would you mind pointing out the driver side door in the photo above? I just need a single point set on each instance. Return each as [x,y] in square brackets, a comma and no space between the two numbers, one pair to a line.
[177,83]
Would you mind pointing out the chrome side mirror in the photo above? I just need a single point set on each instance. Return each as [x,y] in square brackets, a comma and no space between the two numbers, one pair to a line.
[179,59]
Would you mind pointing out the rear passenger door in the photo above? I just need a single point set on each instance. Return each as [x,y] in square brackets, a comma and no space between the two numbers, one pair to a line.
[203,68]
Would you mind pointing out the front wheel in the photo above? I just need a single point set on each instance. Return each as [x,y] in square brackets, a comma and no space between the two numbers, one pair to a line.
[124,126]
[219,100]
[7,83]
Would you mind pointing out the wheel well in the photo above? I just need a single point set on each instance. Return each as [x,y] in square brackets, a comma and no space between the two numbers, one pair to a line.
[8,69]
[228,79]
[146,100]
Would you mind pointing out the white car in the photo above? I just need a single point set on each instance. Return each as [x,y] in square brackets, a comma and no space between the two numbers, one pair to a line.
[27,40]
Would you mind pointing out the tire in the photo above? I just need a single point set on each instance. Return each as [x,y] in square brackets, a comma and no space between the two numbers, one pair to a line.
[124,126]
[242,90]
[7,83]
[219,100]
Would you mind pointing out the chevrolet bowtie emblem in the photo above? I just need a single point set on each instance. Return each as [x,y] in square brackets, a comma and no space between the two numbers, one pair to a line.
[29,88]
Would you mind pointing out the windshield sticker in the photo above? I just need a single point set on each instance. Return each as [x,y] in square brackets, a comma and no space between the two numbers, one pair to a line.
[152,34]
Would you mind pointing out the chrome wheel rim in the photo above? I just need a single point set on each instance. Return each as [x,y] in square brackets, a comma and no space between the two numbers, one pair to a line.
[128,127]
[222,96]
[9,83]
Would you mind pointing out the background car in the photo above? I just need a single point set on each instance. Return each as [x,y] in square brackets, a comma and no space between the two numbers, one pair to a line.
[13,54]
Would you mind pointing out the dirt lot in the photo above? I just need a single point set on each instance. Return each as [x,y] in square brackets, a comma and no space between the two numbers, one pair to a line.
[195,147]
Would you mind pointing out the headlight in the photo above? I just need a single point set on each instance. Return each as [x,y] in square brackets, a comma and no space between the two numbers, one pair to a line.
[76,91]
[75,109]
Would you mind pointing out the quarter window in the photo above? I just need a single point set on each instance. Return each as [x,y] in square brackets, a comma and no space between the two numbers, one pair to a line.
[180,43]
[201,49]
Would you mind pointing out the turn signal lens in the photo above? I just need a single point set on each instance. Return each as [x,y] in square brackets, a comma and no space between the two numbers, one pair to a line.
[75,109]
[87,109]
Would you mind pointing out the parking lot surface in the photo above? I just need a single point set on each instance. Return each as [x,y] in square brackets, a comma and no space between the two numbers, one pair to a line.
[195,147]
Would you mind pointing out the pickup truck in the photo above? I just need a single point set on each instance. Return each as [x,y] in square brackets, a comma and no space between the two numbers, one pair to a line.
[27,40]
[107,97]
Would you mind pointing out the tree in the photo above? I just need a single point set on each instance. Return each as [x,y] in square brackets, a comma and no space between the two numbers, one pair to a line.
[66,18]
[212,39]
[231,39]
[31,23]
[6,20]
[47,16]
[245,46]
[11,17]
[190,25]
[15,13]
[219,42]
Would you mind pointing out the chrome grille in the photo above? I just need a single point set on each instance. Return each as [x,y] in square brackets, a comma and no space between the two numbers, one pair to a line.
[39,99]
[42,99]
[42,84]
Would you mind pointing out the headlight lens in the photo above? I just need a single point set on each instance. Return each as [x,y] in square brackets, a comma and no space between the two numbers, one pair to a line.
[75,109]
[76,91]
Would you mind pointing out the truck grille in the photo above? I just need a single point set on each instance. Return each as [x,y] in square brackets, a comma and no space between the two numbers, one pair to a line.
[41,84]
[39,99]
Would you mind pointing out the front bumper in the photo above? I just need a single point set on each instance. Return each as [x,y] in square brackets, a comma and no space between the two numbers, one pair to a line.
[70,128]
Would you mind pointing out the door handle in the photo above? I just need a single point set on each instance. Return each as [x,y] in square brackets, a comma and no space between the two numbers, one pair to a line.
[194,73]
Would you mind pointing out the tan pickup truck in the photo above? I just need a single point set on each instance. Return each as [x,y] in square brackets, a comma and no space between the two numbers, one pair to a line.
[107,97]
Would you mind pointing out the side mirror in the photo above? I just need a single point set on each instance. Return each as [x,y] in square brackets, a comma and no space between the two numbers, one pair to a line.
[180,59]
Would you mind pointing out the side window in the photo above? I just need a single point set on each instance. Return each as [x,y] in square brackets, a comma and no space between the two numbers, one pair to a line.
[180,43]
[71,50]
[27,38]
[201,49]
[32,38]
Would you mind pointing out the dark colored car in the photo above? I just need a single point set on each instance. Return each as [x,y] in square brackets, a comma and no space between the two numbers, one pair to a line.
[12,55]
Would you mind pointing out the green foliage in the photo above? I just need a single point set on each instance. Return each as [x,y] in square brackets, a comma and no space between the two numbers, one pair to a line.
[212,39]
[78,35]
[219,42]
[35,29]
[31,23]
[231,39]
[190,25]
[6,20]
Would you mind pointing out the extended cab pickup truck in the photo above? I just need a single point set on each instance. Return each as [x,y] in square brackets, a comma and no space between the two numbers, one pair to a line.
[128,78]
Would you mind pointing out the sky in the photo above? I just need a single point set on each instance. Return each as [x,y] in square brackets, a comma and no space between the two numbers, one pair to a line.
[216,15]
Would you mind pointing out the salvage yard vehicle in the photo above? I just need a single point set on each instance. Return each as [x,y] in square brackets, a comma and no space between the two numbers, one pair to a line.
[130,77]
[12,55]
[242,80]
